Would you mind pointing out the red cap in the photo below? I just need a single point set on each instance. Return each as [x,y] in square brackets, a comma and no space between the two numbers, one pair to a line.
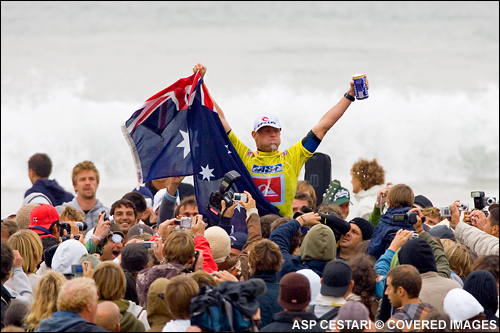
[43,215]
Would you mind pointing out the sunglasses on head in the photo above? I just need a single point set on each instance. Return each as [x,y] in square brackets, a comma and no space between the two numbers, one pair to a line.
[117,238]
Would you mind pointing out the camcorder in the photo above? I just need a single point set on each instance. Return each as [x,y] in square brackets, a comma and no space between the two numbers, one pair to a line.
[338,225]
[184,222]
[225,193]
[82,226]
[481,201]
[410,218]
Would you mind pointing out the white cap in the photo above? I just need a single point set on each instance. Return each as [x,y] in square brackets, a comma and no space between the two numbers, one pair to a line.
[461,305]
[158,198]
[267,120]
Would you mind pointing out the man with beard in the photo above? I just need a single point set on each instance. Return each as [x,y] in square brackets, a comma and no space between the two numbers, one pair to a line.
[276,172]
[360,231]
[85,177]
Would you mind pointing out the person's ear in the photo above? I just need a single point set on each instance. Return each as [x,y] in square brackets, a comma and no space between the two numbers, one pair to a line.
[254,135]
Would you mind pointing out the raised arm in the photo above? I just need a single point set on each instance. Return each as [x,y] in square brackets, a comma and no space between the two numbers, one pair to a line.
[333,115]
[203,70]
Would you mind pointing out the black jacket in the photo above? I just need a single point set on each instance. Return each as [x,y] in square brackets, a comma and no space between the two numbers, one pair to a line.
[293,321]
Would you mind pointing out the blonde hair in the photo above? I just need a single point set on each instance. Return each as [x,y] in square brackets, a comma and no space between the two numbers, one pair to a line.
[179,247]
[30,247]
[178,295]
[45,298]
[84,166]
[400,195]
[460,258]
[304,186]
[446,243]
[432,212]
[72,214]
[76,294]
[110,281]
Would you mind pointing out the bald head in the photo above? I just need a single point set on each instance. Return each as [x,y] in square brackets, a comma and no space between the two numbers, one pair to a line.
[108,316]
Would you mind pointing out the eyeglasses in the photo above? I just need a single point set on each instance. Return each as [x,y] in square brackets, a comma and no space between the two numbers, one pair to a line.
[117,238]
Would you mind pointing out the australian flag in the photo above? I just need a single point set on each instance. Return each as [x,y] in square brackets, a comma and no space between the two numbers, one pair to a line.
[177,132]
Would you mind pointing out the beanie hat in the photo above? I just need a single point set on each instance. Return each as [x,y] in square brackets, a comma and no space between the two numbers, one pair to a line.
[238,240]
[318,244]
[365,227]
[68,253]
[353,311]
[314,281]
[89,257]
[442,231]
[48,254]
[220,243]
[417,252]
[461,305]
[337,276]
[422,202]
[41,218]
[482,285]
[135,257]
[295,292]
[23,215]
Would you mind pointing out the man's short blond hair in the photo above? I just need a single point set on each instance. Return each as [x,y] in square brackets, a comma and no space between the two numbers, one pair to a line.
[76,294]
[84,166]
[72,214]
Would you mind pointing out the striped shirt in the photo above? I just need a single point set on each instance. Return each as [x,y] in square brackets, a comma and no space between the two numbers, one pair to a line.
[407,314]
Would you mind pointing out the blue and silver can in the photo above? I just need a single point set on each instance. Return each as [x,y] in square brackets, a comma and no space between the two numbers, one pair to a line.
[360,86]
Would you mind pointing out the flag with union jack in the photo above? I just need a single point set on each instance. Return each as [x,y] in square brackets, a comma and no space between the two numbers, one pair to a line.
[177,132]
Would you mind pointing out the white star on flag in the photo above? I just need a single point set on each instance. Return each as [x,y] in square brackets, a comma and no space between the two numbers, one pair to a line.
[206,173]
[228,150]
[239,207]
[185,143]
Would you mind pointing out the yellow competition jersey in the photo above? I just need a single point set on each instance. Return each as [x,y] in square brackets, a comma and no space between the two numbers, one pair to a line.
[275,174]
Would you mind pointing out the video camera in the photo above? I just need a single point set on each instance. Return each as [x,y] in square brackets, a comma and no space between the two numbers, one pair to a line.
[224,193]
[481,201]
[410,217]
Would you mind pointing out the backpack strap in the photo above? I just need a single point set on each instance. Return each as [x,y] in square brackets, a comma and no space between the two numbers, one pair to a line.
[330,314]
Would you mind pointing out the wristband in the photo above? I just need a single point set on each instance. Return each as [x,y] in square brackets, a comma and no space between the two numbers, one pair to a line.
[98,238]
[349,97]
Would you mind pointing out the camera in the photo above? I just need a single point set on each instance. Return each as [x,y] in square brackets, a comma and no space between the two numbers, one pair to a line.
[77,270]
[184,222]
[148,244]
[106,217]
[225,193]
[481,201]
[338,225]
[463,206]
[445,212]
[240,197]
[410,217]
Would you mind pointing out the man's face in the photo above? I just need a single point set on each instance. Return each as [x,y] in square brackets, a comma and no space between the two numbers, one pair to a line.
[267,138]
[86,184]
[125,217]
[111,250]
[352,238]
[392,294]
[297,205]
[344,209]
[188,211]
[431,220]
[488,228]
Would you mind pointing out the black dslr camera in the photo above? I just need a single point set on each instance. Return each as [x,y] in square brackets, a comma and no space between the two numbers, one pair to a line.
[410,217]
[224,193]
[480,201]
[82,226]
[338,225]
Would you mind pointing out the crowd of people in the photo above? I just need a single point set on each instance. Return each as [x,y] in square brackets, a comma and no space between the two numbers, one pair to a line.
[151,262]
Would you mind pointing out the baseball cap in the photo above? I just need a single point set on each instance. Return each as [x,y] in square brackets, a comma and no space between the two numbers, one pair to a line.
[42,217]
[37,197]
[295,291]
[422,202]
[238,240]
[341,196]
[337,276]
[267,120]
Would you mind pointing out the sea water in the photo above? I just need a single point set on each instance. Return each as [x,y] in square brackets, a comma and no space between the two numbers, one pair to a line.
[73,72]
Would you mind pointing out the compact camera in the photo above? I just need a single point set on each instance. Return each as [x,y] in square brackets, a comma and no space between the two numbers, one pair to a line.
[240,197]
[77,270]
[148,244]
[410,217]
[463,206]
[225,193]
[445,212]
[481,201]
[184,222]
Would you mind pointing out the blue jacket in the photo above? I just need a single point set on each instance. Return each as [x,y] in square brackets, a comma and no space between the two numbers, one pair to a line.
[52,190]
[63,321]
[268,302]
[384,232]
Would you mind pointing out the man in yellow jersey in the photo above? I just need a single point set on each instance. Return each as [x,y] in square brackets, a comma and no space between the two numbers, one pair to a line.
[276,172]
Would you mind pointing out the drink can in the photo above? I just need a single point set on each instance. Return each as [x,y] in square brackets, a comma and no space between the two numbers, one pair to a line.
[360,86]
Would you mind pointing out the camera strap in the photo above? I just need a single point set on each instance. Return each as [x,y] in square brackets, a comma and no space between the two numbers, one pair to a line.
[45,230]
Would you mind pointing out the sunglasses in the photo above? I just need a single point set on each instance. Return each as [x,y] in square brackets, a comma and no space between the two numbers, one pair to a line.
[117,238]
